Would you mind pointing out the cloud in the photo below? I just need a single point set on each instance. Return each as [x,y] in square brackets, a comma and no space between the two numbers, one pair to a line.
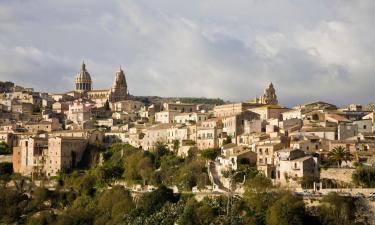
[309,49]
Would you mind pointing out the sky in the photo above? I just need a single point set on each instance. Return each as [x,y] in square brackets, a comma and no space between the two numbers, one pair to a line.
[231,49]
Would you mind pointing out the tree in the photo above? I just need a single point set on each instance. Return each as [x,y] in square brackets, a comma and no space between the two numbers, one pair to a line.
[340,154]
[106,105]
[113,204]
[364,176]
[260,183]
[288,210]
[336,209]
[160,150]
[210,153]
[258,197]
[5,149]
[153,201]
[6,168]
[227,140]
[176,145]
[197,213]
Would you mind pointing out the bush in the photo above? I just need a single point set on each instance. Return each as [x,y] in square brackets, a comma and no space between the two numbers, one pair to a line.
[364,176]
[210,154]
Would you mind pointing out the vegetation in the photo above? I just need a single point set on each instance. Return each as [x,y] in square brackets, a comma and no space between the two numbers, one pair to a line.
[337,209]
[210,153]
[5,149]
[90,196]
[340,154]
[364,176]
[106,106]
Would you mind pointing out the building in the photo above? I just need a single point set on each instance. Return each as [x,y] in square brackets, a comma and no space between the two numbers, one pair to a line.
[233,109]
[235,125]
[64,153]
[83,88]
[231,156]
[293,165]
[29,156]
[270,112]
[269,96]
[166,116]
[180,107]
[190,117]
[127,106]
[79,115]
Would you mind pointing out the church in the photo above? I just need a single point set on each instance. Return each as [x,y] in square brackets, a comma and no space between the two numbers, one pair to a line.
[84,88]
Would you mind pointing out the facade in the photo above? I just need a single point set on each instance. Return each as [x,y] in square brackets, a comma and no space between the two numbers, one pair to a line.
[269,96]
[79,114]
[293,165]
[270,111]
[235,125]
[63,153]
[233,109]
[166,116]
[83,81]
[180,107]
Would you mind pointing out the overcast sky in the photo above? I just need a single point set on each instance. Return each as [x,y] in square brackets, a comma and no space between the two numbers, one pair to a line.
[309,49]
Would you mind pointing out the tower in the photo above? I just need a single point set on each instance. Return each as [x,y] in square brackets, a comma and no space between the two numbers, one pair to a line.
[83,81]
[269,97]
[119,90]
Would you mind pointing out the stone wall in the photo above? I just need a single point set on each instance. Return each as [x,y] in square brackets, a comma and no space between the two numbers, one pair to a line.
[6,158]
[338,174]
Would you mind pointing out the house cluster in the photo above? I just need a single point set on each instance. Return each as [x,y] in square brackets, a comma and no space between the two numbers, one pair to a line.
[50,132]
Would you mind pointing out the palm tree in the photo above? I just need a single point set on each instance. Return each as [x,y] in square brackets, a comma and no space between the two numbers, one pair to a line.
[340,154]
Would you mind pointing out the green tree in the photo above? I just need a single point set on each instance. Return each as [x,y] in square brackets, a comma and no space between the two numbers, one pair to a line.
[176,145]
[364,176]
[340,154]
[106,105]
[336,209]
[113,204]
[154,201]
[131,172]
[287,210]
[258,198]
[227,140]
[5,149]
[197,213]
[210,153]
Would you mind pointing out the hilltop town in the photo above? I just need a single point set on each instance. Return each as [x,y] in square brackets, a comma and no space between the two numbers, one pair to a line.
[86,141]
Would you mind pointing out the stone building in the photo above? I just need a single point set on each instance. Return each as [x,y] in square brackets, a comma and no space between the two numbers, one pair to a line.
[269,96]
[83,88]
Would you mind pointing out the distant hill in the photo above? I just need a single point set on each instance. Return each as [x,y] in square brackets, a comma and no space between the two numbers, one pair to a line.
[6,86]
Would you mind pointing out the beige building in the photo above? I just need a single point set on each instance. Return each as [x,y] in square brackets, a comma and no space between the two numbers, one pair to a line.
[208,137]
[42,126]
[293,165]
[235,125]
[79,116]
[270,111]
[63,153]
[60,107]
[231,155]
[190,117]
[127,106]
[233,109]
[30,156]
[166,116]
[266,151]
[180,107]
[156,133]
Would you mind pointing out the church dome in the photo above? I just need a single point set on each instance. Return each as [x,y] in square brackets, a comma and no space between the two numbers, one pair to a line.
[83,79]
[83,75]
